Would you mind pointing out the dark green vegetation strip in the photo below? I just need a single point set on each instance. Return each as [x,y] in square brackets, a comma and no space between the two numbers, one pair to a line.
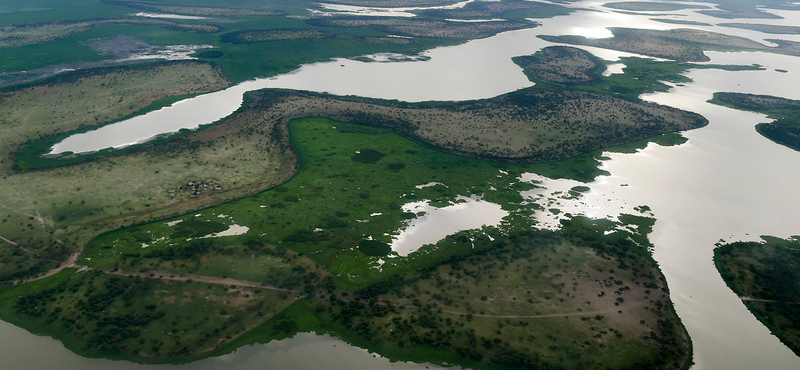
[766,28]
[395,3]
[510,9]
[784,130]
[427,28]
[679,44]
[680,21]
[644,75]
[194,10]
[766,276]
[28,34]
[251,36]
[731,9]
[651,6]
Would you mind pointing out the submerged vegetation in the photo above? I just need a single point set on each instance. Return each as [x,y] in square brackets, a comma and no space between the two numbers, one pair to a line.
[766,277]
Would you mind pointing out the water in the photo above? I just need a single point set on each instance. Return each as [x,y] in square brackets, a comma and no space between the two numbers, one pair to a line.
[727,182]
[478,69]
[22,350]
[437,223]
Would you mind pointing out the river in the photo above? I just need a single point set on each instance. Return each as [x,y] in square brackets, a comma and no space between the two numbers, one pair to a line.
[726,183]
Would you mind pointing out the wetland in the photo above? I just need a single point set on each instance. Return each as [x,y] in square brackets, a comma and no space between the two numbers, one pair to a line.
[283,218]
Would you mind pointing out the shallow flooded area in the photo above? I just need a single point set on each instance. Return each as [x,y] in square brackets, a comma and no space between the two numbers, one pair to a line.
[433,223]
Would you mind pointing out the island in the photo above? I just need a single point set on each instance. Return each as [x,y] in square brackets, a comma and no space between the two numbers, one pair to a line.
[784,130]
[764,275]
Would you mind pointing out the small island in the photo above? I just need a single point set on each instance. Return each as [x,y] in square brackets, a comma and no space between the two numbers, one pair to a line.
[765,276]
[784,130]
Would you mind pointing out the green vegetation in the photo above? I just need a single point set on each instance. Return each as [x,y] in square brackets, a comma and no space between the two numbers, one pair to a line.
[228,160]
[29,34]
[139,318]
[576,121]
[250,36]
[644,75]
[679,44]
[784,130]
[517,10]
[562,65]
[308,235]
[40,221]
[33,42]
[680,21]
[532,299]
[568,66]
[766,28]
[292,219]
[395,3]
[766,277]
[641,6]
[730,9]
[195,10]
[424,28]
[344,176]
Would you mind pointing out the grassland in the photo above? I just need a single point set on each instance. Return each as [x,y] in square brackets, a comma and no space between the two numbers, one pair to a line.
[29,34]
[34,42]
[641,6]
[34,218]
[510,10]
[575,68]
[766,28]
[679,44]
[140,318]
[680,21]
[531,300]
[525,300]
[562,65]
[251,36]
[227,161]
[530,125]
[202,11]
[644,75]
[765,276]
[427,28]
[165,285]
[730,9]
[395,3]
[433,305]
[784,130]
